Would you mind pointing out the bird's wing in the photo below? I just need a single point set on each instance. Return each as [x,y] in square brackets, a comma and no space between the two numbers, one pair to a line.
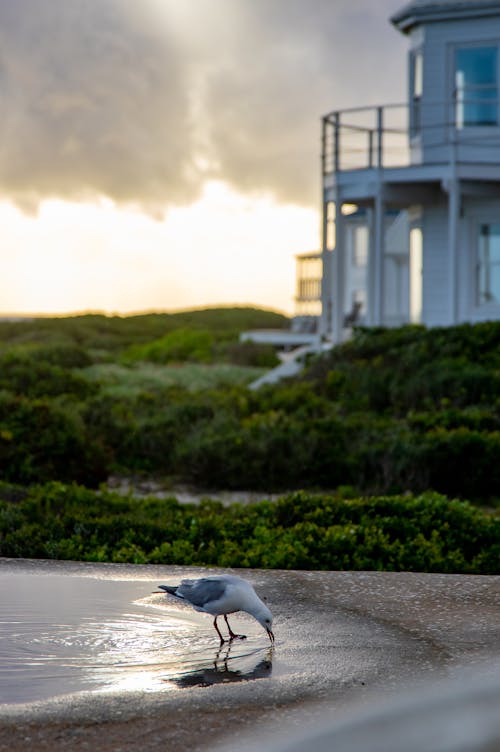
[201,592]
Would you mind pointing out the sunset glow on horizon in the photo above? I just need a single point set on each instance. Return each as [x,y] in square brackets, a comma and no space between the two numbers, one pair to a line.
[224,249]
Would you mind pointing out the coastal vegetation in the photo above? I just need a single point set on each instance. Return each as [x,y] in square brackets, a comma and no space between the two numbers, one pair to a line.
[298,531]
[388,425]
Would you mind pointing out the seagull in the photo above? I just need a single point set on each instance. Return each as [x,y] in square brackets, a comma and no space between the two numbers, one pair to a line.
[220,595]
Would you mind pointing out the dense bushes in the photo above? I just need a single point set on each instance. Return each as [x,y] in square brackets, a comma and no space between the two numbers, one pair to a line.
[412,368]
[109,336]
[37,372]
[43,439]
[174,347]
[390,411]
[201,346]
[299,531]
[386,416]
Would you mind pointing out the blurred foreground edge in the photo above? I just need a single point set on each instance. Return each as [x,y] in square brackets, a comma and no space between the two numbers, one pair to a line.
[457,714]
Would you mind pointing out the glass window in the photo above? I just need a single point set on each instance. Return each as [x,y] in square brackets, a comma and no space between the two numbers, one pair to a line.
[417,85]
[360,245]
[476,86]
[330,226]
[489,264]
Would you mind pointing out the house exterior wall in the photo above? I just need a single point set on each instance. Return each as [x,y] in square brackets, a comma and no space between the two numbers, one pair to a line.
[436,262]
[435,287]
[396,299]
[474,213]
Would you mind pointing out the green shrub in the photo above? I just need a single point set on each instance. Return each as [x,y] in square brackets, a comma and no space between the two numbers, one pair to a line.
[411,368]
[391,411]
[463,462]
[42,439]
[110,335]
[35,372]
[175,347]
[300,531]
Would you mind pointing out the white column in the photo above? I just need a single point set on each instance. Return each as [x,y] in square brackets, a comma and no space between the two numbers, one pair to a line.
[325,327]
[453,220]
[326,321]
[376,263]
[339,275]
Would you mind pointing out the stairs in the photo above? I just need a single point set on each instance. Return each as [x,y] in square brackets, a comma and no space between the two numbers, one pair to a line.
[292,364]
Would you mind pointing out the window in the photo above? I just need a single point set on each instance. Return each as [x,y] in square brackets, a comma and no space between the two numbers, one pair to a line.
[488,266]
[360,246]
[416,87]
[330,233]
[476,86]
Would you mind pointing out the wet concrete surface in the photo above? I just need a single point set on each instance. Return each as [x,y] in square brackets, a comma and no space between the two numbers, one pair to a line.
[114,667]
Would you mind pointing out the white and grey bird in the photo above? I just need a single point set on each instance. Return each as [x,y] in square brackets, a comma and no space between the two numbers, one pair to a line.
[220,595]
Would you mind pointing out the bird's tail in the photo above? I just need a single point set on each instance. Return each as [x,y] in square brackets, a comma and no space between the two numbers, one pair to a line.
[171,589]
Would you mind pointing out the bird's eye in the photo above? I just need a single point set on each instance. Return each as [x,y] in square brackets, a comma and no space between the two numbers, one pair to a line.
[267,621]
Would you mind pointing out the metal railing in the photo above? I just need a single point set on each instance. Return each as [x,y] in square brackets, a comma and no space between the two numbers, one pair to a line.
[397,135]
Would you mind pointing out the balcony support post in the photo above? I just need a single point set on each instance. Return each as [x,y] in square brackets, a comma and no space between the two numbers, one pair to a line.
[336,142]
[380,137]
[453,235]
[325,323]
[376,261]
[339,270]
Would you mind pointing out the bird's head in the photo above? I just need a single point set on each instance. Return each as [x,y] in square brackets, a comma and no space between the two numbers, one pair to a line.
[265,619]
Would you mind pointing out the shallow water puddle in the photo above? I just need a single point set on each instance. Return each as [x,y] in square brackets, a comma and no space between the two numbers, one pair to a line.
[61,634]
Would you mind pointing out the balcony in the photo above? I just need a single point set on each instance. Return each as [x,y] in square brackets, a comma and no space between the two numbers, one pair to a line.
[309,268]
[419,134]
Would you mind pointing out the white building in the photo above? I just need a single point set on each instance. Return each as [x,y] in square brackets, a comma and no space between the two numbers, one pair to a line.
[411,193]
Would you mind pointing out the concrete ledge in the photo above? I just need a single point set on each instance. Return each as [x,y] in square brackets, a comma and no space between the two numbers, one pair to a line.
[342,638]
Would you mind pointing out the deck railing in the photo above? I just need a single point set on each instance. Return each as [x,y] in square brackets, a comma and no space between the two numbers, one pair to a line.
[396,135]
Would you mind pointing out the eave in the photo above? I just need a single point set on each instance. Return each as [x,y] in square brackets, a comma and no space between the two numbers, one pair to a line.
[416,14]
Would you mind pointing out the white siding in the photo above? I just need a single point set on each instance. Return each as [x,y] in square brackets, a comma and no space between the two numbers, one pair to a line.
[475,212]
[435,294]
[396,302]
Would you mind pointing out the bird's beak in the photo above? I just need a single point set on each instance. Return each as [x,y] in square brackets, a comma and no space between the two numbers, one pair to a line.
[271,635]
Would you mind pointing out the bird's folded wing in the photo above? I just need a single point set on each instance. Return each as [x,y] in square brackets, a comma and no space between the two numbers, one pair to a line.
[201,592]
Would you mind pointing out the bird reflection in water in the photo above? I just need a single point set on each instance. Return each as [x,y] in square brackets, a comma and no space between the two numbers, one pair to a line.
[222,671]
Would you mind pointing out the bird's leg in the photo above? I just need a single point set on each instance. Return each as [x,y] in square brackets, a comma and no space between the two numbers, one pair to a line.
[231,633]
[222,640]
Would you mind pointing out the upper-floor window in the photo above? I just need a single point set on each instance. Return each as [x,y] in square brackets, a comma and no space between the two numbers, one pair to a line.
[476,86]
[416,88]
[488,264]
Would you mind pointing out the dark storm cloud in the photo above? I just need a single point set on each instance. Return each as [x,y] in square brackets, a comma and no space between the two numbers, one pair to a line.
[93,102]
[140,100]
[289,62]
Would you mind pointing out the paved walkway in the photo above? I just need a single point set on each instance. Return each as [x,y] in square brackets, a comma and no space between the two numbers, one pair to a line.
[341,637]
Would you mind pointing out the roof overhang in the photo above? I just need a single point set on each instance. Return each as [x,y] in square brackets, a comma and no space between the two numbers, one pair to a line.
[425,11]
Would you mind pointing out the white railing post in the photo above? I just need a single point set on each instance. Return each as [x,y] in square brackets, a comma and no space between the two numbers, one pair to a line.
[370,148]
[336,141]
[380,130]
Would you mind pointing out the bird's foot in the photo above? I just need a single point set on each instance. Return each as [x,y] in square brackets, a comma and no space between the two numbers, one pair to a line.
[233,636]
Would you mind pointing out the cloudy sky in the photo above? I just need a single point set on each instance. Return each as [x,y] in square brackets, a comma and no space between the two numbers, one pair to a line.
[164,154]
